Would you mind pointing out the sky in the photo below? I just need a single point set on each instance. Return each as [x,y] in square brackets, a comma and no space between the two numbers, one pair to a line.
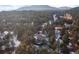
[53,3]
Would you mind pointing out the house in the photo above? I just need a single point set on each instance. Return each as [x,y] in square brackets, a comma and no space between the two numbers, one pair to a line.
[58,26]
[68,20]
[67,16]
[55,17]
[67,25]
[44,24]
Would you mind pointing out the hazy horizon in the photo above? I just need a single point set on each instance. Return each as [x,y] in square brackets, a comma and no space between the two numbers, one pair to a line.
[14,7]
[53,3]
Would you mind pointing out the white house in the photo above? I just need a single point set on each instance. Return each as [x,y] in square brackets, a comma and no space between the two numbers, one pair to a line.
[54,17]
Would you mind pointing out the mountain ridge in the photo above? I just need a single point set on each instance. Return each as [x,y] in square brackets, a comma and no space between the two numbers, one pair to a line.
[37,7]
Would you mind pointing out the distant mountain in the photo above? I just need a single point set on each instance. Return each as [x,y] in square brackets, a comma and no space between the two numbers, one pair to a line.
[75,9]
[42,7]
[37,8]
[65,8]
[32,7]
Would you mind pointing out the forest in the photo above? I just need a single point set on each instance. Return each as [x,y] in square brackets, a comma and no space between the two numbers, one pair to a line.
[39,32]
